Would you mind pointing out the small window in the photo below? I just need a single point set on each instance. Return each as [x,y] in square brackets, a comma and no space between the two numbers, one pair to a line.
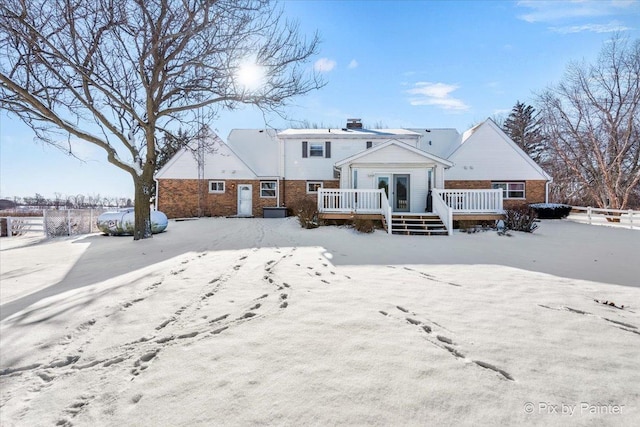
[316,149]
[369,144]
[510,190]
[216,186]
[268,189]
[312,186]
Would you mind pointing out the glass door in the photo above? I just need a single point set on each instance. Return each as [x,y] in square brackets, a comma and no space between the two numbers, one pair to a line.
[401,193]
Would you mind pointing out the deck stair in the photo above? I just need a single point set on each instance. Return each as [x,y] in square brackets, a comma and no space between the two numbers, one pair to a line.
[417,224]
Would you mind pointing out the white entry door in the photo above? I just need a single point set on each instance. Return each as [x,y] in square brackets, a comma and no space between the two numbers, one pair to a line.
[245,200]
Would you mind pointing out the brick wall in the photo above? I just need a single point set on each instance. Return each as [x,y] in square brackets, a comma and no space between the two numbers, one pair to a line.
[296,189]
[178,198]
[534,190]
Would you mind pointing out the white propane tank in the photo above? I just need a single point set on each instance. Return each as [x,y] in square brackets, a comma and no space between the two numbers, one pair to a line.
[122,222]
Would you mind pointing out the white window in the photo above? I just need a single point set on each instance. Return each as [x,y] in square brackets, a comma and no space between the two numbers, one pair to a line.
[312,186]
[268,189]
[216,186]
[510,190]
[316,149]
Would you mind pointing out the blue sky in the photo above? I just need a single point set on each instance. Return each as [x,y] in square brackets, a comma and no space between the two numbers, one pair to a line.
[396,63]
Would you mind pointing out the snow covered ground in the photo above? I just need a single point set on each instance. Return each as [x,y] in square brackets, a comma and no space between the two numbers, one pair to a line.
[258,322]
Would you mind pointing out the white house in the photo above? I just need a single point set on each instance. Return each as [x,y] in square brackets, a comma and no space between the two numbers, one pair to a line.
[415,180]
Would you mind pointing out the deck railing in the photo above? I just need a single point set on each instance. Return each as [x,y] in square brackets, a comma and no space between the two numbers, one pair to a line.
[444,211]
[386,210]
[472,201]
[345,200]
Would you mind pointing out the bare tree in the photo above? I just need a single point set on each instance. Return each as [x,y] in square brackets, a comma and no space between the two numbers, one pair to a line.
[592,121]
[119,73]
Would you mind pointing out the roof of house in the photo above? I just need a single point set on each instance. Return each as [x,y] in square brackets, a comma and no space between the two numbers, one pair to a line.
[393,142]
[258,148]
[485,150]
[440,142]
[346,133]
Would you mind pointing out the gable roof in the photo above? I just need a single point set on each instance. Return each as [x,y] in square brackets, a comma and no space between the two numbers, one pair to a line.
[258,148]
[219,161]
[518,164]
[389,143]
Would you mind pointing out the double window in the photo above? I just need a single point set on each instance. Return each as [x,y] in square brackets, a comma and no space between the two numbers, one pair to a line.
[313,186]
[268,189]
[216,186]
[510,190]
[316,149]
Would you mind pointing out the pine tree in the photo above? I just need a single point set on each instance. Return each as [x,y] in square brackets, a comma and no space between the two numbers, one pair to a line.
[523,125]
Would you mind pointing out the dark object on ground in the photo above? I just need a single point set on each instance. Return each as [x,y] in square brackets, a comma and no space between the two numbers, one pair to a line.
[551,210]
[610,304]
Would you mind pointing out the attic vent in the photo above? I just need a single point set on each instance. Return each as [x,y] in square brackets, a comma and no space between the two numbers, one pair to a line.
[354,123]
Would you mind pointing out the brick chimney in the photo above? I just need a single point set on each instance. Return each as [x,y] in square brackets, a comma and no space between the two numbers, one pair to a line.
[354,123]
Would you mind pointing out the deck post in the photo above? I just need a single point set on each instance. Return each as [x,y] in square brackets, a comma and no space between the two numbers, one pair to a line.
[631,218]
[589,214]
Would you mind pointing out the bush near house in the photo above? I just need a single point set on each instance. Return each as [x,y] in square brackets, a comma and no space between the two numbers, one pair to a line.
[521,218]
[307,212]
[364,225]
[551,210]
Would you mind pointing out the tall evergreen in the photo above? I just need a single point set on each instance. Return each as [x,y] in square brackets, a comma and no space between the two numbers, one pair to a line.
[523,125]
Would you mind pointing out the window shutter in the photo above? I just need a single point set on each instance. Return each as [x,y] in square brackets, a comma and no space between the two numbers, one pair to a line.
[327,149]
[304,149]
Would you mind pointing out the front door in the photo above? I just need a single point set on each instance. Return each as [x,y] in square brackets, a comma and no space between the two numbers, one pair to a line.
[401,193]
[245,200]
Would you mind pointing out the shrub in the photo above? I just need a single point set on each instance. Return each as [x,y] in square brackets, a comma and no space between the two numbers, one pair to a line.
[307,212]
[551,210]
[520,218]
[363,225]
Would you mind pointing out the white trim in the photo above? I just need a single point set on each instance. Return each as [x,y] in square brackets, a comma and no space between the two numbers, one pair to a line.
[275,189]
[375,148]
[506,191]
[217,181]
[319,183]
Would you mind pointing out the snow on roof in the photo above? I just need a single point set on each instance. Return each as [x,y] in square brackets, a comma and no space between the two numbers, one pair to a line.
[345,133]
[440,142]
[258,148]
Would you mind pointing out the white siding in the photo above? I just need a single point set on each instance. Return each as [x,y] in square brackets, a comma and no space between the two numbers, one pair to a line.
[297,167]
[488,155]
[222,164]
[367,179]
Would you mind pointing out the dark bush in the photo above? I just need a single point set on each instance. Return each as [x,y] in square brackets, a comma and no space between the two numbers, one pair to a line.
[307,212]
[364,225]
[520,218]
[551,210]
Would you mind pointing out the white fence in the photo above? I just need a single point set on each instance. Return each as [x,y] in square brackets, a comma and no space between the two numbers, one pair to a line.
[350,201]
[18,226]
[472,201]
[609,217]
[68,222]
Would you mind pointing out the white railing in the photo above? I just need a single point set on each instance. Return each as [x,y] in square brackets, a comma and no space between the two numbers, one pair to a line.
[350,200]
[472,201]
[386,210]
[444,211]
[610,217]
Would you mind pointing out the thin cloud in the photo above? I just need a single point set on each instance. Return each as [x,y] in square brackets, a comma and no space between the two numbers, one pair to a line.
[324,65]
[353,64]
[557,11]
[436,94]
[611,27]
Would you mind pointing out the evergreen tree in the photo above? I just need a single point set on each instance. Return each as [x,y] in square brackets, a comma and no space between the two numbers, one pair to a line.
[523,126]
